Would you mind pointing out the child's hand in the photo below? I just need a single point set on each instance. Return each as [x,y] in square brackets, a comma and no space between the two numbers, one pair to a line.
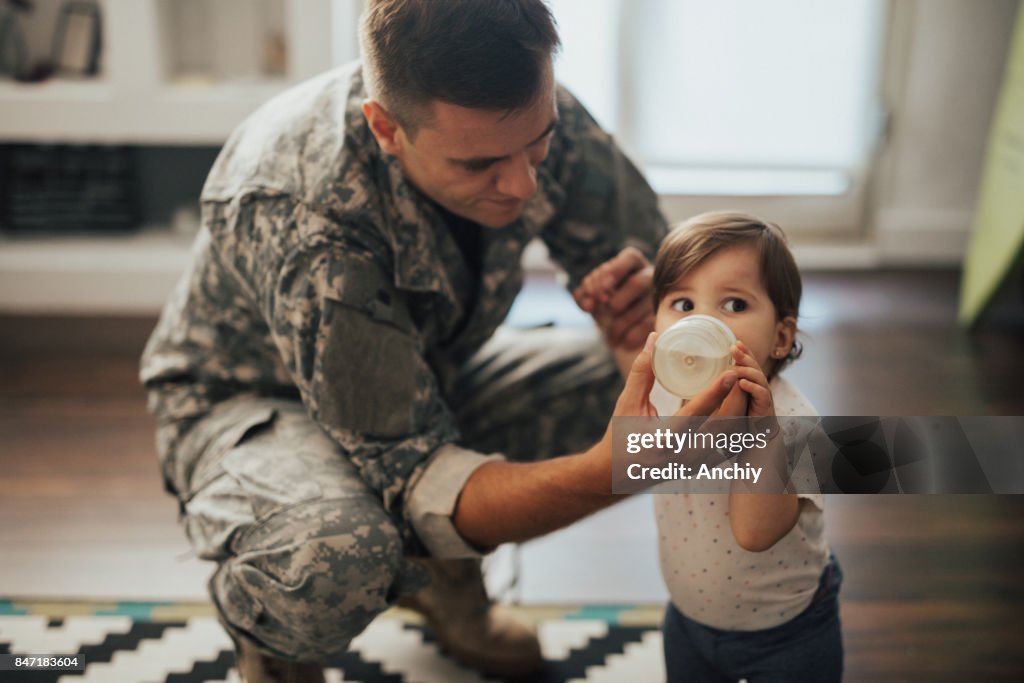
[753,381]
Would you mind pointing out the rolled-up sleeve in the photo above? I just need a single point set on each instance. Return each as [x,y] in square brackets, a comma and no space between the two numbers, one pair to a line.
[433,495]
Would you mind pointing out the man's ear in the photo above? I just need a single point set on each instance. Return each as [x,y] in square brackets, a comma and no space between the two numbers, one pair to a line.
[382,125]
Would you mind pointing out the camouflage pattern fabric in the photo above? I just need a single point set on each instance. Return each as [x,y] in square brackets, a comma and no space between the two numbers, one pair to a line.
[308,556]
[322,278]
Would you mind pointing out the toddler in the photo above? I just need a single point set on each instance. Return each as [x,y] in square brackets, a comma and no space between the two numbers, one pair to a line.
[753,585]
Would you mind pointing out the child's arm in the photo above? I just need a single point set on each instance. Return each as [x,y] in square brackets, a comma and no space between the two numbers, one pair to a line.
[760,520]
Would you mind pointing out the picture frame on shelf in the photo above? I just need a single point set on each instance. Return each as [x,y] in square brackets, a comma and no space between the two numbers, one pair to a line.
[13,51]
[77,39]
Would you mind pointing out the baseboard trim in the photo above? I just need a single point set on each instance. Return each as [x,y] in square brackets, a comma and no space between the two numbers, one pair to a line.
[923,237]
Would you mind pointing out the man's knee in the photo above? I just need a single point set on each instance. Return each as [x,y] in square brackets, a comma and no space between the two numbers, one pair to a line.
[537,393]
[307,598]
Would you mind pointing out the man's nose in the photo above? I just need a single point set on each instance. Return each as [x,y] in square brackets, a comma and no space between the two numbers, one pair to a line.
[518,177]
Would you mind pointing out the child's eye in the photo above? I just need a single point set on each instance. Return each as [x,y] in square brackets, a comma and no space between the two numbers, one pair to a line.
[682,305]
[735,305]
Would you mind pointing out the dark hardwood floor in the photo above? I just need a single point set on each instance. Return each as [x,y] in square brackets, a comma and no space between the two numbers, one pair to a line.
[933,588]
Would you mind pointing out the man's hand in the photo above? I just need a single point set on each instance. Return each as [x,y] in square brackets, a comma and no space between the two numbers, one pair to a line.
[507,501]
[635,399]
[618,295]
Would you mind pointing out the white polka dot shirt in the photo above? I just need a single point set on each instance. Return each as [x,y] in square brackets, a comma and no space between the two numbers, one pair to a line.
[710,578]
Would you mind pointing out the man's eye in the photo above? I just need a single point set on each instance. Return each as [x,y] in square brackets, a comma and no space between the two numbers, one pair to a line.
[543,140]
[477,167]
[735,305]
[682,305]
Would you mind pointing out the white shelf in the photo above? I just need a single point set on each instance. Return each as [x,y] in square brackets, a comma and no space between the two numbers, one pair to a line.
[116,274]
[136,101]
[100,112]
[254,91]
[57,90]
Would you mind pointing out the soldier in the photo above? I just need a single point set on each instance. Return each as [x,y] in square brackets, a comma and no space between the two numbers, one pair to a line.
[337,405]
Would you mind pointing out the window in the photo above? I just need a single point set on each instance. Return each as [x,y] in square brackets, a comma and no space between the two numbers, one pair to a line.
[734,97]
[743,103]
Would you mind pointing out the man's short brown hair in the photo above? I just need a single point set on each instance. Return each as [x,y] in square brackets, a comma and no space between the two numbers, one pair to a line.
[692,242]
[479,54]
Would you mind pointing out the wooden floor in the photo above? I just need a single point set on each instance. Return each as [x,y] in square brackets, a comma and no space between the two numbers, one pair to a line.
[934,586]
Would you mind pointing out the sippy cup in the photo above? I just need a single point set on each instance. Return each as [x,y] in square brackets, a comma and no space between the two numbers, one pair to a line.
[691,353]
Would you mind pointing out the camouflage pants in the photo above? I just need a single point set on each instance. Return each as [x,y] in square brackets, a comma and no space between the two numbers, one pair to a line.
[306,554]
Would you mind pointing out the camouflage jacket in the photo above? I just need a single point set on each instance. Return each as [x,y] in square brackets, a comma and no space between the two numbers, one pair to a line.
[320,273]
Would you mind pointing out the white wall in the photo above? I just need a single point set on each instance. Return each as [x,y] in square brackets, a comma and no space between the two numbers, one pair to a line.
[943,72]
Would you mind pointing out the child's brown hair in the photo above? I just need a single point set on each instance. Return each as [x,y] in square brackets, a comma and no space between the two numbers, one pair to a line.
[691,242]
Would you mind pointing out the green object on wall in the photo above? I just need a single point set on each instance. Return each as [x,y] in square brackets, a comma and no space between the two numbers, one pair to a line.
[997,237]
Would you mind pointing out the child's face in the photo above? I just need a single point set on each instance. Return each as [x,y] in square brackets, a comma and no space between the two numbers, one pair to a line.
[727,285]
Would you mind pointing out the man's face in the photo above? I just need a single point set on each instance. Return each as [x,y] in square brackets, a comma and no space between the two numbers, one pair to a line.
[479,164]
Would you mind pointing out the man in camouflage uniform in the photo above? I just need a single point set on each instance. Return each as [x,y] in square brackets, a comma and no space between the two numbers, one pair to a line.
[336,400]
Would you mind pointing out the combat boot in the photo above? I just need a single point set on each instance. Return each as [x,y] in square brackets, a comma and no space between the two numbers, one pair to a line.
[467,625]
[256,667]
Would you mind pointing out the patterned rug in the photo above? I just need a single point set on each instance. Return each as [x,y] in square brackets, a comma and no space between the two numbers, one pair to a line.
[141,642]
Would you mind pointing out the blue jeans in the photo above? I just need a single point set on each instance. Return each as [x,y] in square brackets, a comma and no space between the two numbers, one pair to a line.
[808,647]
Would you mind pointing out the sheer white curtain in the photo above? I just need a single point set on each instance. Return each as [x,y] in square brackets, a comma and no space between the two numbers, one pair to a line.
[732,95]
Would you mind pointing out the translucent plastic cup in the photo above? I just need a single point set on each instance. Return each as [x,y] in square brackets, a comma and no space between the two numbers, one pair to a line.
[691,354]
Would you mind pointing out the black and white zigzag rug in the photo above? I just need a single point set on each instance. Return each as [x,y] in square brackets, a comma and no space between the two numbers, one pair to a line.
[183,643]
